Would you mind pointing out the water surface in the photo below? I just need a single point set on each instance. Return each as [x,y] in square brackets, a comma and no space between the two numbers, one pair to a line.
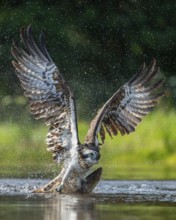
[110,200]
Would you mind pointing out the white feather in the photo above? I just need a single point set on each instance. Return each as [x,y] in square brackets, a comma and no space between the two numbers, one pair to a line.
[74,138]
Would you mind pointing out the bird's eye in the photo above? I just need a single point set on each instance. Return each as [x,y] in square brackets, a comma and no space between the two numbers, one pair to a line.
[91,155]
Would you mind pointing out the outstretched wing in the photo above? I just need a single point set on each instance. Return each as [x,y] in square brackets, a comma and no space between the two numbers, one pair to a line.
[48,93]
[126,108]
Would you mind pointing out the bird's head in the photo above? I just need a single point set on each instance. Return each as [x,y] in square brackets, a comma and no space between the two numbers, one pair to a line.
[89,153]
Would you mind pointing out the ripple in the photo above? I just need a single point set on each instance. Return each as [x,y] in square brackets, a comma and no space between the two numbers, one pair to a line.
[128,191]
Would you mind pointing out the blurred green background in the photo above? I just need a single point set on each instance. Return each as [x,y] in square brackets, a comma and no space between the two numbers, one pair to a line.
[97,45]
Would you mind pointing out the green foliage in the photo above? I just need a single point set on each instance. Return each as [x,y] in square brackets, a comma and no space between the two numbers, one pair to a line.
[97,45]
[148,153]
[23,151]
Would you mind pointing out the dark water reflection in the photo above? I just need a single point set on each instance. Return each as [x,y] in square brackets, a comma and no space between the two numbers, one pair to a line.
[121,200]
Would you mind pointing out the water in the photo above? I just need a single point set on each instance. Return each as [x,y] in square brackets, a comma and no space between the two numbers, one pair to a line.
[122,200]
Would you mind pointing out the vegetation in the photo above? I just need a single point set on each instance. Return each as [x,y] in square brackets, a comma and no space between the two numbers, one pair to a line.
[97,45]
[148,153]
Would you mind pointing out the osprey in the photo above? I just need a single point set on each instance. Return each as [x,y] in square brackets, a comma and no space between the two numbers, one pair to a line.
[51,98]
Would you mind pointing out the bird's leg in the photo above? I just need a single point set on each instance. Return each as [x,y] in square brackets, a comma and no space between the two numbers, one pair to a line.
[66,175]
[52,184]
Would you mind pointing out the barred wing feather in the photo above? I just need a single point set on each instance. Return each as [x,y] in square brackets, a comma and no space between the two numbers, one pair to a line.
[48,93]
[126,108]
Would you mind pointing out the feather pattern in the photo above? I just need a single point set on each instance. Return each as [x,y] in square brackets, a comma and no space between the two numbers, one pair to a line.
[50,98]
[48,93]
[126,108]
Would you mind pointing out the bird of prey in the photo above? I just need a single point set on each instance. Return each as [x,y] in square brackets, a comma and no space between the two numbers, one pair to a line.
[51,98]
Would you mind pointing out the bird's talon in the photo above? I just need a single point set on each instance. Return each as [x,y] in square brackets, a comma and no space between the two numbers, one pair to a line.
[40,190]
[60,188]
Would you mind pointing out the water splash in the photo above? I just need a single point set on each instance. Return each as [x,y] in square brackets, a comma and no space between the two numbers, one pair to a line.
[129,191]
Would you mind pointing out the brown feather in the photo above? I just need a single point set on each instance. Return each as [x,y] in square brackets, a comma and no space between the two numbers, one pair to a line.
[102,133]
[48,93]
[126,108]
